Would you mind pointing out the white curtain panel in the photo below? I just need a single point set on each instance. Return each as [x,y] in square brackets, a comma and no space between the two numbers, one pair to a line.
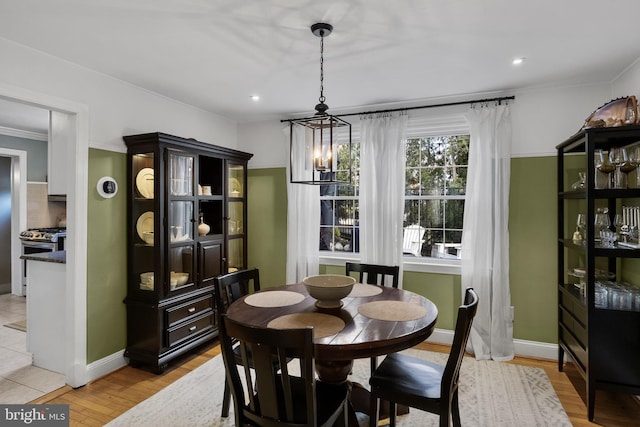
[382,180]
[485,239]
[303,211]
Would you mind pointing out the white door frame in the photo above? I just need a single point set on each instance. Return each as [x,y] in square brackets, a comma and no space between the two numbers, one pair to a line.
[18,213]
[76,243]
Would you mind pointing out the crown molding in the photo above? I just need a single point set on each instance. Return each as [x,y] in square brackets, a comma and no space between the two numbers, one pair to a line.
[23,134]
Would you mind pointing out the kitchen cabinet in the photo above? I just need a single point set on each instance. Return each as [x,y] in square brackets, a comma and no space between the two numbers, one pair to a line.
[187,209]
[599,333]
[46,338]
[60,139]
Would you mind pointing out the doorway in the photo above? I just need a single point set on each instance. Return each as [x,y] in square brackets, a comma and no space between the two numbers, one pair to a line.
[76,373]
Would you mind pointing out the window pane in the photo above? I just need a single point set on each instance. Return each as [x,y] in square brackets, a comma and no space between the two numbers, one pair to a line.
[431,213]
[433,151]
[453,236]
[411,212]
[432,238]
[412,182]
[326,238]
[412,153]
[454,214]
[344,212]
[457,178]
[326,212]
[433,181]
[459,150]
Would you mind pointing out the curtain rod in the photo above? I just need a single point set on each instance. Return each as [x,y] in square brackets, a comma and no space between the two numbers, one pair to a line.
[448,104]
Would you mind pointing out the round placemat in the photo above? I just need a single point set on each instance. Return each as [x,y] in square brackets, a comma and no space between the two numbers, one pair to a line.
[362,290]
[274,298]
[324,325]
[397,311]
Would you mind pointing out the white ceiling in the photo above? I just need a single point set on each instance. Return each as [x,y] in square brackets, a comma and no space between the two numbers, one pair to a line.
[214,54]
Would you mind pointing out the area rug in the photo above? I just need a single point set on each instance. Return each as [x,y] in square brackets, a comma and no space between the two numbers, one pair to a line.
[21,325]
[491,394]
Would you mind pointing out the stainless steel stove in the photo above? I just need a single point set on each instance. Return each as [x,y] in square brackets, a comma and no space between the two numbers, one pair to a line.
[38,240]
[45,235]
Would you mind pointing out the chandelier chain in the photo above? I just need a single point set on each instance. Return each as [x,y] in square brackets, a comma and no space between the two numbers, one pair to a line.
[322,98]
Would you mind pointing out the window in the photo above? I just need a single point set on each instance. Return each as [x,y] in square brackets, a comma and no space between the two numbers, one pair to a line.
[339,227]
[436,178]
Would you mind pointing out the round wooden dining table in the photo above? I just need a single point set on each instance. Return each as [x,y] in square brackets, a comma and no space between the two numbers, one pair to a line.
[373,321]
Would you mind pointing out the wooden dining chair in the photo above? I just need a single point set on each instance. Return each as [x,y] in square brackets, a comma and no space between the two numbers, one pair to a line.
[285,398]
[376,275]
[227,289]
[418,383]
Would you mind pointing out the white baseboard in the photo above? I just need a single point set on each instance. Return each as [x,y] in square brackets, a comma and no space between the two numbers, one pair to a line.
[106,365]
[541,350]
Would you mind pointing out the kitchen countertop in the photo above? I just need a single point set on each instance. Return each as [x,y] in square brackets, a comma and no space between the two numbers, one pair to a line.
[57,256]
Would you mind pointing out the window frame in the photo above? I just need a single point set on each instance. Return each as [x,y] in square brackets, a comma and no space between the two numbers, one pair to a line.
[420,126]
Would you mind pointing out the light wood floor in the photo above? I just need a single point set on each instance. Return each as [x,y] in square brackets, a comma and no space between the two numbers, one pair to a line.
[104,399]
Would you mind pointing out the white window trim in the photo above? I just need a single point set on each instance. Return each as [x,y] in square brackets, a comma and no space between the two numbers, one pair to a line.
[409,263]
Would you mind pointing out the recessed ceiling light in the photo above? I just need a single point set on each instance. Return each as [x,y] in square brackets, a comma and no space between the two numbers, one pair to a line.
[518,61]
[255,97]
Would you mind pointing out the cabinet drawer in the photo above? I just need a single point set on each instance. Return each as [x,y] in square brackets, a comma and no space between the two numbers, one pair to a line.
[578,350]
[570,323]
[192,308]
[190,329]
[573,306]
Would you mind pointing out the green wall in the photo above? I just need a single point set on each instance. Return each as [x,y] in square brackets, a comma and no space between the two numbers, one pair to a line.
[267,229]
[106,258]
[532,251]
[532,231]
[533,248]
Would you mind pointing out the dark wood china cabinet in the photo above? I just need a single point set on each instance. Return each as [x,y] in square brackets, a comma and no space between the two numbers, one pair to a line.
[599,258]
[187,210]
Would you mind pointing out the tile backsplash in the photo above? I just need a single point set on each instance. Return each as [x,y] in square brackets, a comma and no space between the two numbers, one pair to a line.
[40,211]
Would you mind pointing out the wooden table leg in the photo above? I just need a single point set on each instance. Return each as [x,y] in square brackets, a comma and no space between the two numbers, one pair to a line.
[337,372]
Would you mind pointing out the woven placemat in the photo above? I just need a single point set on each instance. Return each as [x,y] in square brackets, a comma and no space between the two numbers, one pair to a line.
[397,311]
[324,325]
[362,290]
[274,299]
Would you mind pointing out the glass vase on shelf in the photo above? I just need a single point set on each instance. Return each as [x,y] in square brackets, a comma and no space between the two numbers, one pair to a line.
[580,184]
[203,228]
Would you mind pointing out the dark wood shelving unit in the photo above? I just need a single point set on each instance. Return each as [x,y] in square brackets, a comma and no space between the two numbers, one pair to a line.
[603,343]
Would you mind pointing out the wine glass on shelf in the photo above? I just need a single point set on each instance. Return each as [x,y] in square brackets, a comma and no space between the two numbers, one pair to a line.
[629,163]
[602,164]
[615,157]
[601,224]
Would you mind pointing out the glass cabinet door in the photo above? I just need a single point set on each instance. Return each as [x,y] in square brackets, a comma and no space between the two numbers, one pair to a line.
[236,185]
[180,174]
[144,242]
[236,193]
[181,222]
